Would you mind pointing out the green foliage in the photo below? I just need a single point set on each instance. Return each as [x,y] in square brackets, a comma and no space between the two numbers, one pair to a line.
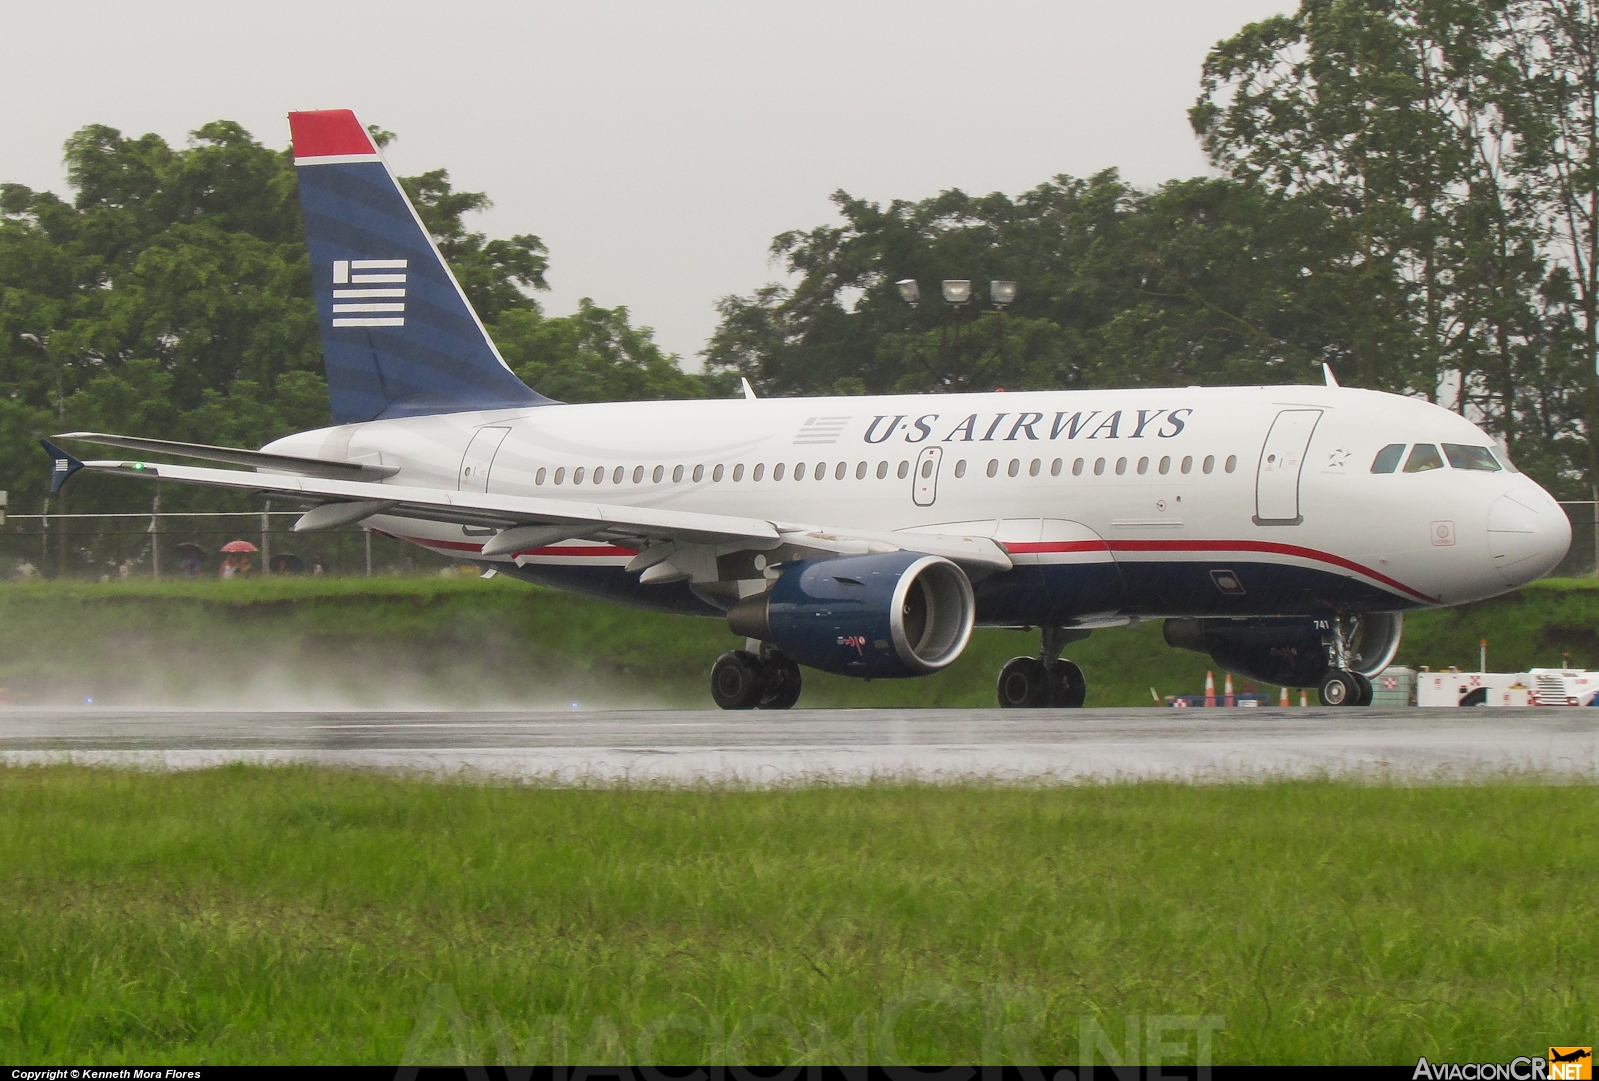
[172,298]
[301,915]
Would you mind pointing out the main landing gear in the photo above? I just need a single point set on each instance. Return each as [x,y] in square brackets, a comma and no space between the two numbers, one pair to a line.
[744,679]
[1046,680]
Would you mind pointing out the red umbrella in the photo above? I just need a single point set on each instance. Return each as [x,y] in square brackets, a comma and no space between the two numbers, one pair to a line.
[239,546]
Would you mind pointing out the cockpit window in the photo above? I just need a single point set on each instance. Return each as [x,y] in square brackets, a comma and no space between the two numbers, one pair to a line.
[1387,459]
[1462,456]
[1422,458]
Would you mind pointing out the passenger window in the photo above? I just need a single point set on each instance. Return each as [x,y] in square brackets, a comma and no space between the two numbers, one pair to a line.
[1165,465]
[1014,468]
[1423,456]
[560,474]
[860,471]
[777,471]
[1232,463]
[758,472]
[843,467]
[960,468]
[577,475]
[1210,464]
[904,470]
[699,473]
[1387,459]
[538,478]
[1143,466]
[738,471]
[993,467]
[1188,463]
[1462,456]
[716,474]
[1121,466]
[677,475]
[1032,470]
[799,470]
[1099,467]
[882,470]
[1054,468]
[1077,468]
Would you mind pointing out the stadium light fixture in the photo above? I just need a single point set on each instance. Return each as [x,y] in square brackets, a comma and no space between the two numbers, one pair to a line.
[909,291]
[1002,293]
[957,291]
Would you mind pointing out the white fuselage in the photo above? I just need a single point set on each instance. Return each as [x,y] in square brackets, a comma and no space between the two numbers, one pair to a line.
[1185,501]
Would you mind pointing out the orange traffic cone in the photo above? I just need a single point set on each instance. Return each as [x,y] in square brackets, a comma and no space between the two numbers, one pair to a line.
[1229,700]
[1284,701]
[1210,688]
[1303,701]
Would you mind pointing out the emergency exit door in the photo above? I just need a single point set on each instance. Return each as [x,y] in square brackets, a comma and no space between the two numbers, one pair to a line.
[1282,459]
[924,478]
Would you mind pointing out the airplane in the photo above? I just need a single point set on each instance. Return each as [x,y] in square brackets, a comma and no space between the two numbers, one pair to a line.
[1283,530]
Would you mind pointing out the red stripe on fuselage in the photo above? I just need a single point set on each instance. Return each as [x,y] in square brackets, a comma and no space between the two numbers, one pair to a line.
[1268,547]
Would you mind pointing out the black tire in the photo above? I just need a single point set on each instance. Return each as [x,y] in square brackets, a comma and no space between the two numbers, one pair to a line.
[780,683]
[1023,684]
[1366,689]
[736,680]
[1067,687]
[1339,688]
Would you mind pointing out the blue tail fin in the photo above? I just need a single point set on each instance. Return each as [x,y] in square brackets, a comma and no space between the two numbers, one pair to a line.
[398,336]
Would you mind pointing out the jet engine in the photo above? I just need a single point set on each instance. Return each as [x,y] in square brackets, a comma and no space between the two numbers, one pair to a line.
[874,616]
[1290,651]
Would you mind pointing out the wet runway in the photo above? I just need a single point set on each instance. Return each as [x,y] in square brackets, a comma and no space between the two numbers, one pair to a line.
[841,745]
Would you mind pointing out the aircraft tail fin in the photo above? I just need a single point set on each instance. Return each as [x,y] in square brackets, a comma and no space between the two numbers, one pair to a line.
[62,465]
[399,338]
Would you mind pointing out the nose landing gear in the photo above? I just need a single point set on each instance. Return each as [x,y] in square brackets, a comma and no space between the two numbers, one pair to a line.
[1046,680]
[743,679]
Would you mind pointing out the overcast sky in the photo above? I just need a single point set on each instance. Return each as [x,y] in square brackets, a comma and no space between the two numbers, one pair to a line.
[655,147]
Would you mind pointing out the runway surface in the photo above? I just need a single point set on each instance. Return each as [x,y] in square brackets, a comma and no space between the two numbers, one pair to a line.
[843,745]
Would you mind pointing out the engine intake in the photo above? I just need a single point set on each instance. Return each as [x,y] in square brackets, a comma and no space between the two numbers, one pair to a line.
[874,616]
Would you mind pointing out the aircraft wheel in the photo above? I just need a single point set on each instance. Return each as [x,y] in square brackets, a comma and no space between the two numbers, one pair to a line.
[1366,689]
[736,680]
[1339,688]
[1023,684]
[780,684]
[1067,687]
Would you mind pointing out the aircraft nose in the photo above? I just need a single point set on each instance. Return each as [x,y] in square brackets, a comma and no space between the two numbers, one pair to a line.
[1527,536]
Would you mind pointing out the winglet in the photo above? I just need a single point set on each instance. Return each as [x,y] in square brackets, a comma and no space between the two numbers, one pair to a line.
[749,391]
[1326,370]
[64,465]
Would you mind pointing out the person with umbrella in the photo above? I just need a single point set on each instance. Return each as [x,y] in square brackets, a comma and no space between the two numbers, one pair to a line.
[236,558]
[192,559]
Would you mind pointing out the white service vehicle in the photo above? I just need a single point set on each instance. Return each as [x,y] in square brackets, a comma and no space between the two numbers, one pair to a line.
[1282,530]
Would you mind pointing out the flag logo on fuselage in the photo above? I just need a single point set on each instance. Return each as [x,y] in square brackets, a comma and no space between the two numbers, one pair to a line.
[369,292]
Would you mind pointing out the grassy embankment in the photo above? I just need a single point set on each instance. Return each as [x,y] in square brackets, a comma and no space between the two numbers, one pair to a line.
[391,641]
[244,914]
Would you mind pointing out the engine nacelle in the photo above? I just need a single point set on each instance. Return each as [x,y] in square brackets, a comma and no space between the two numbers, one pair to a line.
[873,616]
[1290,651]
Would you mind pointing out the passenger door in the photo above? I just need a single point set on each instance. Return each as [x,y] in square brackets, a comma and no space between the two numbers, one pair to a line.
[1281,460]
[479,457]
[924,478]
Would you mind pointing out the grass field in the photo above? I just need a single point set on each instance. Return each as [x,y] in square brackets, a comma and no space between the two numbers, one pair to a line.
[398,641]
[245,914]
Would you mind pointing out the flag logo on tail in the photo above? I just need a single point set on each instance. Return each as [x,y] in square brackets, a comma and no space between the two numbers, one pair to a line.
[369,292]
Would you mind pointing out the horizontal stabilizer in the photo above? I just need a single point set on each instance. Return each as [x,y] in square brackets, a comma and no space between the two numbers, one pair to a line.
[287,463]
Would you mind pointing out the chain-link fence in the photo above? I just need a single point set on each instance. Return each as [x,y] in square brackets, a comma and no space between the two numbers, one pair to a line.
[166,546]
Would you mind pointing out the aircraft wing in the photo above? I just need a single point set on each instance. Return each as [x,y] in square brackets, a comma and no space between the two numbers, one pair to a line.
[288,463]
[528,522]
